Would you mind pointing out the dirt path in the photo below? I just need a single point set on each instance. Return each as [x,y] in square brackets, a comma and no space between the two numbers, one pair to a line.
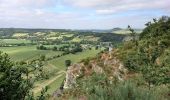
[38,87]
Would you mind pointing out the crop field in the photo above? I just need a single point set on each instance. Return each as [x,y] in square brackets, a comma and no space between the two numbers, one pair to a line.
[122,32]
[59,62]
[67,35]
[14,41]
[86,38]
[56,35]
[39,34]
[125,31]
[27,52]
[76,39]
[18,35]
[58,46]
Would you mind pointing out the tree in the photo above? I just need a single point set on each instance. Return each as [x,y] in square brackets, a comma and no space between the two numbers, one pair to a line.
[42,57]
[44,94]
[41,47]
[133,35]
[149,56]
[153,73]
[97,47]
[12,84]
[55,48]
[67,63]
[157,28]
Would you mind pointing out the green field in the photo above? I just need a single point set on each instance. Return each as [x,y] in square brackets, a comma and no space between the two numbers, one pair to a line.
[14,41]
[85,38]
[59,62]
[27,52]
[58,46]
[125,31]
[19,35]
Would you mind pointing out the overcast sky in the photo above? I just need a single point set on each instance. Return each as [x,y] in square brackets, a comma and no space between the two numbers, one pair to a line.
[80,14]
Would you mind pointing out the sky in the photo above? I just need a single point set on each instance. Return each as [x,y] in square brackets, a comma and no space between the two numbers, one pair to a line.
[80,14]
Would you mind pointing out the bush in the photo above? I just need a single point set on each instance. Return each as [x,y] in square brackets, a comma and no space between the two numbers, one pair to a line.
[12,84]
[55,48]
[67,63]
[41,47]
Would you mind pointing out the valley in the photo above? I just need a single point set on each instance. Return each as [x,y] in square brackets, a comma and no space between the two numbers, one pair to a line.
[84,49]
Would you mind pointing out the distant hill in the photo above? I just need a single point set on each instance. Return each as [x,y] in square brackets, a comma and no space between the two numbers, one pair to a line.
[124,31]
[11,31]
[95,30]
[116,30]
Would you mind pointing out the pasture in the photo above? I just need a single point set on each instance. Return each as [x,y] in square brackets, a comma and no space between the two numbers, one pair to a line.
[20,35]
[125,31]
[24,53]
[60,62]
[14,41]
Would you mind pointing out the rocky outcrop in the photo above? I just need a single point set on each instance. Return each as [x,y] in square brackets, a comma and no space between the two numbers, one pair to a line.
[72,73]
[107,63]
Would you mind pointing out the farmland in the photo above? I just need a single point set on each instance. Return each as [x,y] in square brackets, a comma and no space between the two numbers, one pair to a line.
[50,49]
[26,52]
[125,31]
[14,41]
[55,67]
[84,50]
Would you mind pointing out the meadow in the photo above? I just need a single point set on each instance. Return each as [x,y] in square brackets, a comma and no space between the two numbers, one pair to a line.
[126,31]
[24,53]
[14,41]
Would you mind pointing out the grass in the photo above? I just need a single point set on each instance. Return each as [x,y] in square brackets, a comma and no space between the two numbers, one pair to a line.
[53,36]
[86,38]
[20,35]
[122,32]
[58,46]
[60,62]
[40,34]
[14,41]
[125,31]
[76,39]
[27,52]
[67,35]
[91,38]
[55,85]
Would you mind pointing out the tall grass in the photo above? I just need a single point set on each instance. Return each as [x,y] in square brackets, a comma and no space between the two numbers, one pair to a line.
[99,87]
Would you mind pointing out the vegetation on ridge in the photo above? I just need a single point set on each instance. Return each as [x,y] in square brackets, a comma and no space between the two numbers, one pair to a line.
[147,61]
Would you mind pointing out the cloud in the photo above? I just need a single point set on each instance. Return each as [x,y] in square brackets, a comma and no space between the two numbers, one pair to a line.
[113,6]
[26,3]
[86,14]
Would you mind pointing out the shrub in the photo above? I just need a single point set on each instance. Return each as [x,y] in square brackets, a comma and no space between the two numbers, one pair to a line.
[67,63]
